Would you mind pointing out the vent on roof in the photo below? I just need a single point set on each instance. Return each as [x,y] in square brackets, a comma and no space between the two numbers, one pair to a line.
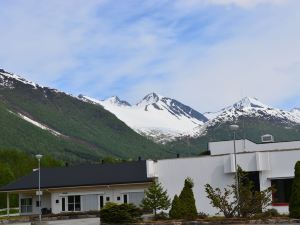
[267,138]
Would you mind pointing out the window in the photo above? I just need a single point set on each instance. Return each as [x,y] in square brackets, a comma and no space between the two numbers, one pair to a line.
[282,193]
[107,199]
[118,198]
[37,204]
[26,205]
[74,203]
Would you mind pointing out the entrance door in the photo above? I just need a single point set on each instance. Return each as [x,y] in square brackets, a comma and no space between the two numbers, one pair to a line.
[101,201]
[63,204]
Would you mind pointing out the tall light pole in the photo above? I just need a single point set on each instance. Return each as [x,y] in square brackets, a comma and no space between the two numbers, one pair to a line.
[235,128]
[39,192]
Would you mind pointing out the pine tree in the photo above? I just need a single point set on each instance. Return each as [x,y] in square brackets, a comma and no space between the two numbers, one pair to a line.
[176,209]
[294,206]
[187,200]
[156,198]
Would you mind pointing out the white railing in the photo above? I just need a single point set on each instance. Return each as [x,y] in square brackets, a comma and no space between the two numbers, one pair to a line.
[10,214]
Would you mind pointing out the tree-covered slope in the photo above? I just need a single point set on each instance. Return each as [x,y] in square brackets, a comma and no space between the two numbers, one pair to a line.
[250,128]
[84,132]
[15,164]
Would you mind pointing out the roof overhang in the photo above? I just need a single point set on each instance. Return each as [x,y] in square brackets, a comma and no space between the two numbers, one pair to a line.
[79,186]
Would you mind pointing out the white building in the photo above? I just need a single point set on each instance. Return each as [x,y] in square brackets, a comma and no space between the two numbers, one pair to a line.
[86,188]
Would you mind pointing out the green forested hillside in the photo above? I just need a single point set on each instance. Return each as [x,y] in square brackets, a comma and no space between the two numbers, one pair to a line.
[250,128]
[15,164]
[89,132]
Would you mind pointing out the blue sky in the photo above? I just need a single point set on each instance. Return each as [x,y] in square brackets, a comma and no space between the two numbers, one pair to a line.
[205,53]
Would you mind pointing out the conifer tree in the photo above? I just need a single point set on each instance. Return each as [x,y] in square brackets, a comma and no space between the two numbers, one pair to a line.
[294,206]
[187,200]
[176,210]
[156,198]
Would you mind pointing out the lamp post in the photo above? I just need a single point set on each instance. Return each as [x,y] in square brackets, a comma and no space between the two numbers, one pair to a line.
[39,192]
[234,128]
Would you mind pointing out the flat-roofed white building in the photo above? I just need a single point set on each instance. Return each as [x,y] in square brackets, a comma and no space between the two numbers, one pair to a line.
[267,164]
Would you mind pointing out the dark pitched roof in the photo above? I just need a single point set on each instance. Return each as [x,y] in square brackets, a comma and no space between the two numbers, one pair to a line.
[85,175]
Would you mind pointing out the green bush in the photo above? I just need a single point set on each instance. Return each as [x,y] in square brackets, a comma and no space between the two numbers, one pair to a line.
[202,215]
[270,213]
[294,206]
[124,213]
[176,211]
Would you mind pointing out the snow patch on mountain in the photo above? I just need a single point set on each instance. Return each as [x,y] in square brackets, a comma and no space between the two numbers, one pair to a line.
[37,124]
[160,118]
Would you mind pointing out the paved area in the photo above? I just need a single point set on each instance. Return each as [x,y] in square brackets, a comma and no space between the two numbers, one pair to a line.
[90,221]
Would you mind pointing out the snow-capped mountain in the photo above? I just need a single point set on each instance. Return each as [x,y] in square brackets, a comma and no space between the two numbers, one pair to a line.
[155,116]
[252,107]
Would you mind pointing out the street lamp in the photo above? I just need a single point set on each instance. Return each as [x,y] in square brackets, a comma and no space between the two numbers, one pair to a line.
[235,128]
[38,157]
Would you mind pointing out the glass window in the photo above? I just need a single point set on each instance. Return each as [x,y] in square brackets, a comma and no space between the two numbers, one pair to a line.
[74,203]
[26,205]
[282,192]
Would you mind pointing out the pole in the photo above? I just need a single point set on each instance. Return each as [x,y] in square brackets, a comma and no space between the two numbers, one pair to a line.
[236,172]
[40,208]
[7,204]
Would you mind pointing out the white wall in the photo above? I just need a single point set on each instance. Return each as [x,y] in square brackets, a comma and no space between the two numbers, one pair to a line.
[45,199]
[214,170]
[113,192]
[226,147]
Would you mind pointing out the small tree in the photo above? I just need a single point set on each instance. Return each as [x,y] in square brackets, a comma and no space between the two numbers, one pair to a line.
[176,209]
[221,200]
[187,200]
[294,206]
[241,199]
[156,198]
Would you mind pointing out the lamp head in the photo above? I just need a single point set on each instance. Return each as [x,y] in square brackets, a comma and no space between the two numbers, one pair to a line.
[234,127]
[38,156]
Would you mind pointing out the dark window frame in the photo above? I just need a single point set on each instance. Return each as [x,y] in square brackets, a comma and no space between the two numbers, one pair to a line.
[74,203]
[281,195]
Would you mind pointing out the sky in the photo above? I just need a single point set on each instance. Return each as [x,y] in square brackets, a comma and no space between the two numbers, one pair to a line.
[205,53]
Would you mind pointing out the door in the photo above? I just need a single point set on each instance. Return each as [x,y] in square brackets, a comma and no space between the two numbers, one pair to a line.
[63,204]
[101,201]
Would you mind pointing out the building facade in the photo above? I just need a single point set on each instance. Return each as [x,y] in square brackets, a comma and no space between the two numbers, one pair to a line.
[87,188]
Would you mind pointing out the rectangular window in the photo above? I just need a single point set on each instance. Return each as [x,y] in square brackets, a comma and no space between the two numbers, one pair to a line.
[74,203]
[282,192]
[37,203]
[26,205]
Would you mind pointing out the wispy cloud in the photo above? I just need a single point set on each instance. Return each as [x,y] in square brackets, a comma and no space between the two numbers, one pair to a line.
[207,53]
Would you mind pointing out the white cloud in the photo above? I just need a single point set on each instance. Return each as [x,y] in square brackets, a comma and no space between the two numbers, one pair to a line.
[206,60]
[239,3]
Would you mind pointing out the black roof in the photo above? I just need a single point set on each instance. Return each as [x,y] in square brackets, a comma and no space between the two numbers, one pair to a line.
[84,175]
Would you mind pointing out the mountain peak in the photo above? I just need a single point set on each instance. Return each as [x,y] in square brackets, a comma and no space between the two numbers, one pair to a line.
[149,99]
[11,76]
[116,101]
[248,102]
